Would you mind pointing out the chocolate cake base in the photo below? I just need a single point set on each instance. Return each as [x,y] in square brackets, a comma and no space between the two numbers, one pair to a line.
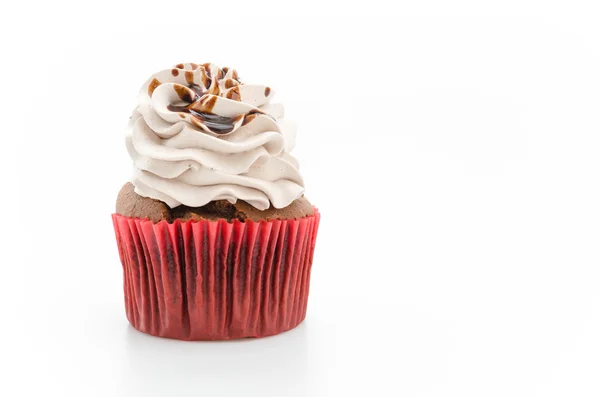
[132,205]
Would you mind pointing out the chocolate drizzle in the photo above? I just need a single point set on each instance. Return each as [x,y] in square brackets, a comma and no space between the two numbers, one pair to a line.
[202,116]
[234,94]
[189,77]
[231,83]
[207,70]
[215,123]
[197,89]
[185,94]
[153,84]
[202,97]
[249,117]
[204,105]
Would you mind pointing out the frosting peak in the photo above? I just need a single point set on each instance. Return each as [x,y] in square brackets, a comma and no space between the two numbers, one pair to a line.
[199,134]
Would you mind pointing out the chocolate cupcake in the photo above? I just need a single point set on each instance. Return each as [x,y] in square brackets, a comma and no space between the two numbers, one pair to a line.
[214,234]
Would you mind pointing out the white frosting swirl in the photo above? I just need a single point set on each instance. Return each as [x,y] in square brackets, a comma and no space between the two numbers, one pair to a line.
[200,135]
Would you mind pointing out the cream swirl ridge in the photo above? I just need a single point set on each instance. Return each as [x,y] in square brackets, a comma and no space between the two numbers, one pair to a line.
[199,134]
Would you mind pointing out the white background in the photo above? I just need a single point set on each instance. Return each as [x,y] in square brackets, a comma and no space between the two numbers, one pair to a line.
[453,153]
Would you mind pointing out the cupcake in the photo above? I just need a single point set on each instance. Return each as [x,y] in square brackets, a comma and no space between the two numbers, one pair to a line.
[215,236]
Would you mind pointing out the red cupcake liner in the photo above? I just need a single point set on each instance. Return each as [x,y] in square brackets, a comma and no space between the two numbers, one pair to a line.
[204,280]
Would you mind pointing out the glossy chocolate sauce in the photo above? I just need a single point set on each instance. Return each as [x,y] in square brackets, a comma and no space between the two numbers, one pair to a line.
[214,122]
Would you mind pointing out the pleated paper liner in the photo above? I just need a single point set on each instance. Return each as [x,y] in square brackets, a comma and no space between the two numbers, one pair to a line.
[204,280]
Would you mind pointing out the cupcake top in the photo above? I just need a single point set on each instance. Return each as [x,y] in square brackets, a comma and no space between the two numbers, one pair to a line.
[199,135]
